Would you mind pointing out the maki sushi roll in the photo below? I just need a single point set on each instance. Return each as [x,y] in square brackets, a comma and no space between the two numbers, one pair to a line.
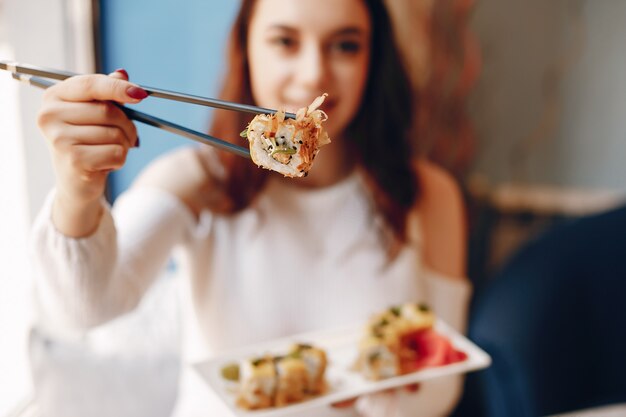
[277,381]
[410,317]
[285,145]
[258,383]
[387,349]
[292,380]
[315,361]
[378,359]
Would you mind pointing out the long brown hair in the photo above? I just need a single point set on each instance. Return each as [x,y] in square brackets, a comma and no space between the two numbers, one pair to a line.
[378,135]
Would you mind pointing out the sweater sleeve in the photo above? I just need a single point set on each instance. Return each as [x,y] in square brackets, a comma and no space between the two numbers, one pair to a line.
[449,298]
[83,282]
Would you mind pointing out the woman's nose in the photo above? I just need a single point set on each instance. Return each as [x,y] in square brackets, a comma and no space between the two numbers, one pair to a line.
[312,67]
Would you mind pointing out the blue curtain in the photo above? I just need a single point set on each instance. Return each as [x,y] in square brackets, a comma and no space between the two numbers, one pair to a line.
[173,45]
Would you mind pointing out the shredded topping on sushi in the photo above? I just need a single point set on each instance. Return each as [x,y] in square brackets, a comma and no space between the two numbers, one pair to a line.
[285,145]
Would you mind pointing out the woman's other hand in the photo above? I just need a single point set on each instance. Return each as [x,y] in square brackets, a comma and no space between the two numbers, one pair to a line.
[88,136]
[412,388]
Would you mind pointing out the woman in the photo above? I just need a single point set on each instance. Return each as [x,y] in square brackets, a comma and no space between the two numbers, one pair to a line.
[266,256]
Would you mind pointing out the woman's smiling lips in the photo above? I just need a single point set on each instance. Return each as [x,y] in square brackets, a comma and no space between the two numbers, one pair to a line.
[327,106]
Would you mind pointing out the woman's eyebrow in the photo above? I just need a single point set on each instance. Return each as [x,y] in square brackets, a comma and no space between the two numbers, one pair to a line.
[352,30]
[280,27]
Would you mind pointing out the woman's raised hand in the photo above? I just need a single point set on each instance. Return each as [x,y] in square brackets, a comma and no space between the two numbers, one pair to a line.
[89,136]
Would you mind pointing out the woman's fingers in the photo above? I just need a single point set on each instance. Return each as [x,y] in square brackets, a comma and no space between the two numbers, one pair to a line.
[120,74]
[411,388]
[346,403]
[87,158]
[96,87]
[92,114]
[88,132]
[92,135]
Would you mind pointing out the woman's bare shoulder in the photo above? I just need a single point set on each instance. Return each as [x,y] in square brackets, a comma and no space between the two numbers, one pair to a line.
[183,173]
[442,213]
[439,189]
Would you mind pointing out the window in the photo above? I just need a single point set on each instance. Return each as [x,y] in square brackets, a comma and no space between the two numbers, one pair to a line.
[61,41]
[14,309]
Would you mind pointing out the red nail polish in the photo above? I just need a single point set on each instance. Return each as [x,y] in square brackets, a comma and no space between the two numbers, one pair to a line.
[123,72]
[137,143]
[136,93]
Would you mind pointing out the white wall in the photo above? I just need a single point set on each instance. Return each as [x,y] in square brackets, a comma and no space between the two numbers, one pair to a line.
[548,108]
[592,141]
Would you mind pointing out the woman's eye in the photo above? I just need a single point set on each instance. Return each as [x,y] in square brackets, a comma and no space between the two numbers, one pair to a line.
[348,47]
[283,42]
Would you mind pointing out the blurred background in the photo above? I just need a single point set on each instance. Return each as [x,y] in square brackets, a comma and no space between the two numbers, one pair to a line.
[523,101]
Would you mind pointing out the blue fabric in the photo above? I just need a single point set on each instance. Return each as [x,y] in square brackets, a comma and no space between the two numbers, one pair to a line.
[554,321]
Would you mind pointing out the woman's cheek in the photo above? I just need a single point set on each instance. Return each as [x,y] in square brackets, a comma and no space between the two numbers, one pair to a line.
[269,81]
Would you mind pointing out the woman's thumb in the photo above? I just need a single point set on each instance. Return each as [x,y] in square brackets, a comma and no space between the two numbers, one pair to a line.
[120,74]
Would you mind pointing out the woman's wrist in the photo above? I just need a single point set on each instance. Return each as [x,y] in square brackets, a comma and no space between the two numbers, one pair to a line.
[74,217]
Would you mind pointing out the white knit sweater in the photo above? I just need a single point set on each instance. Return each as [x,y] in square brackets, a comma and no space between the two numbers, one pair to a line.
[296,261]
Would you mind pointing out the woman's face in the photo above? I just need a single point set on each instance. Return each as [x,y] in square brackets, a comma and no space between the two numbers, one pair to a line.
[299,49]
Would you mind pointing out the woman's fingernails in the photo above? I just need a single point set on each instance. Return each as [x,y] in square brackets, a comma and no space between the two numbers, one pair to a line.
[137,142]
[136,93]
[123,72]
[412,387]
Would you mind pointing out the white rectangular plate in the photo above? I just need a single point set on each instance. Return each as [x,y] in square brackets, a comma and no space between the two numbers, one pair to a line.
[341,348]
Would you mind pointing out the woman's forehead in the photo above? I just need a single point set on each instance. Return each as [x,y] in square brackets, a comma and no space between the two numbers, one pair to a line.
[318,15]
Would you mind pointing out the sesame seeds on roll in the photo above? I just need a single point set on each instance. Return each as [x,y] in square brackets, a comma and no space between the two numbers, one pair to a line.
[285,145]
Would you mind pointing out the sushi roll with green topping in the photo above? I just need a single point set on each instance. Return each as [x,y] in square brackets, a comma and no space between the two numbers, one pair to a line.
[277,381]
[378,358]
[285,145]
[386,348]
[292,380]
[315,361]
[257,383]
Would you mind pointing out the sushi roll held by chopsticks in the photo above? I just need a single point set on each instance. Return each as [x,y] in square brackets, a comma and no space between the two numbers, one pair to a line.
[285,145]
